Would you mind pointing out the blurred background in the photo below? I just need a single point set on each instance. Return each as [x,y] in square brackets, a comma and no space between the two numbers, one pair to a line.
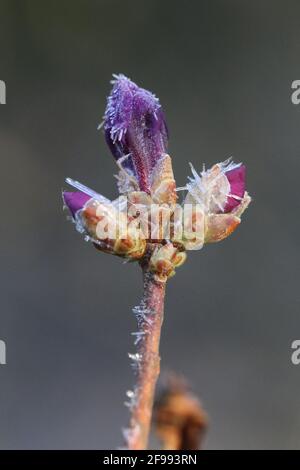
[223,72]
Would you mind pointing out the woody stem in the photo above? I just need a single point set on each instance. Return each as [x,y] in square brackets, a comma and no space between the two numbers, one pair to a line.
[147,360]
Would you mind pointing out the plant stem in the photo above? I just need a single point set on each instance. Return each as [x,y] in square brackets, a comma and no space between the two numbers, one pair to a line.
[147,360]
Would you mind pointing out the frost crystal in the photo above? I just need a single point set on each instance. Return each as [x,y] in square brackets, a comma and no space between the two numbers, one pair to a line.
[132,396]
[216,189]
[130,434]
[138,336]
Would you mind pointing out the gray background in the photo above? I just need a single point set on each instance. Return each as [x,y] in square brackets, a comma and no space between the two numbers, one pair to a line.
[223,71]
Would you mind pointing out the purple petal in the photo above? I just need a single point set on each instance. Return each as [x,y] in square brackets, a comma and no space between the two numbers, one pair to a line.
[134,124]
[237,181]
[75,200]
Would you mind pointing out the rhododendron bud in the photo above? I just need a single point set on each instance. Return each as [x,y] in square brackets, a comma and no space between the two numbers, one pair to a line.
[145,222]
[219,199]
[135,129]
[164,260]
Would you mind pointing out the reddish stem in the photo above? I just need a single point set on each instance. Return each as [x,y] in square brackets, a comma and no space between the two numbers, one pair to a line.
[147,360]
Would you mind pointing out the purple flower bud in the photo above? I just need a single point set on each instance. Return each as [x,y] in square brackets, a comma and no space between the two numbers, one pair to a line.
[75,200]
[237,181]
[135,127]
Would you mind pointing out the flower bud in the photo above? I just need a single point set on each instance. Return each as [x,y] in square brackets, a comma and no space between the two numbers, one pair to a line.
[135,128]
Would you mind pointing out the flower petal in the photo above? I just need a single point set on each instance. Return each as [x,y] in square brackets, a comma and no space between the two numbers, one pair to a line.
[75,200]
[237,181]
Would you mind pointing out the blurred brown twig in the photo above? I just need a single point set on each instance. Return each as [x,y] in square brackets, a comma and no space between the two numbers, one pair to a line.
[179,419]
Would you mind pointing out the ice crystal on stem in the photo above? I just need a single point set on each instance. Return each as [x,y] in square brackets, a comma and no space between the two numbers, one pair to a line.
[146,224]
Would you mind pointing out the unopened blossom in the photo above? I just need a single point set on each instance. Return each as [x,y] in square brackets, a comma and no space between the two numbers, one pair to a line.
[147,223]
[135,129]
[136,132]
[218,198]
